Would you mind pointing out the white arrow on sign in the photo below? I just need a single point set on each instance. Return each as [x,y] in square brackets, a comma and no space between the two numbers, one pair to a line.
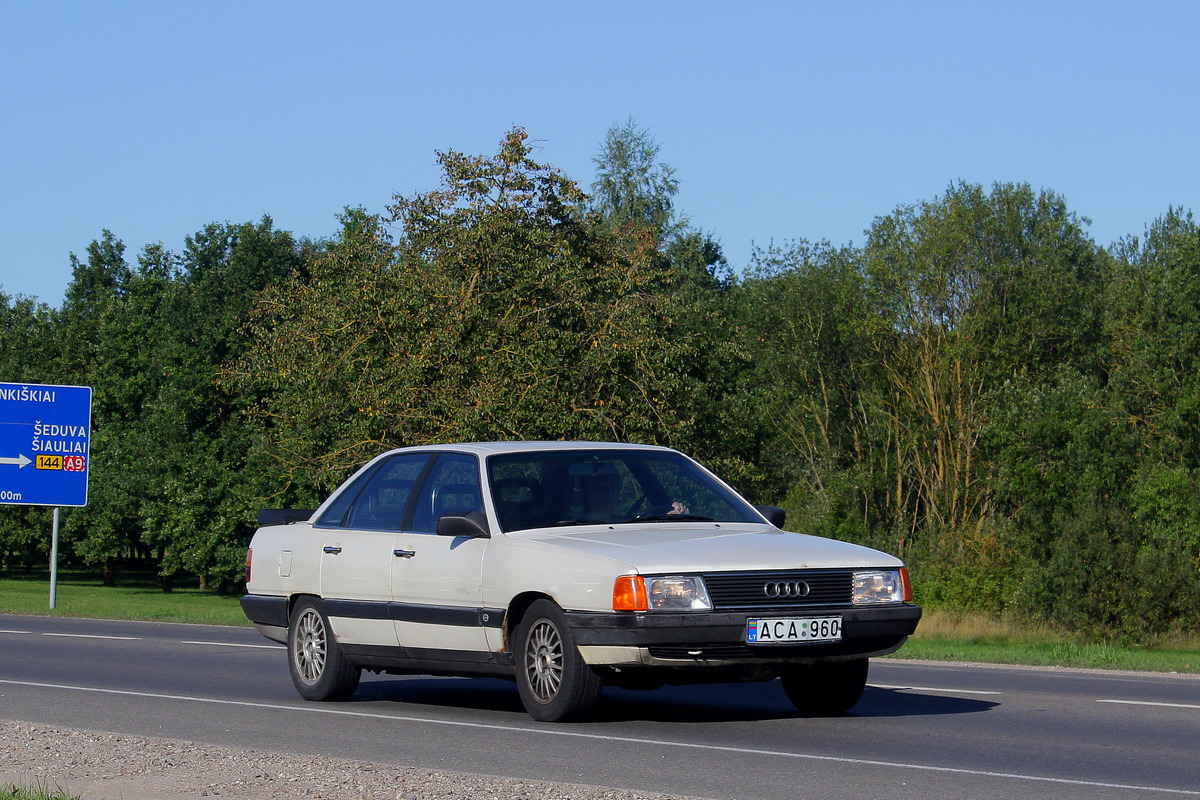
[20,461]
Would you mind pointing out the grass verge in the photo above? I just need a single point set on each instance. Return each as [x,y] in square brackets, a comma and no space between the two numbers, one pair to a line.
[137,595]
[943,636]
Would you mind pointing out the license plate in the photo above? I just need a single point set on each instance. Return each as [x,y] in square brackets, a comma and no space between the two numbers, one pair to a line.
[789,630]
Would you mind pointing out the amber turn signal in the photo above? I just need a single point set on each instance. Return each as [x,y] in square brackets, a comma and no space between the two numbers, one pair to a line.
[629,594]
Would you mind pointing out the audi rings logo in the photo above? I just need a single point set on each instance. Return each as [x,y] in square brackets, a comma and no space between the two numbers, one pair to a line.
[781,589]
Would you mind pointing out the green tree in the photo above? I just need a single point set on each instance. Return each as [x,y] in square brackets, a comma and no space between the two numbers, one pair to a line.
[632,187]
[634,195]
[804,324]
[1153,323]
[169,454]
[1061,456]
[633,198]
[27,331]
[498,311]
[973,288]
[95,352]
[199,508]
[26,353]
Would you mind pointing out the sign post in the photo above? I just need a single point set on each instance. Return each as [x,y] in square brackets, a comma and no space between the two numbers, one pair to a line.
[54,561]
[45,437]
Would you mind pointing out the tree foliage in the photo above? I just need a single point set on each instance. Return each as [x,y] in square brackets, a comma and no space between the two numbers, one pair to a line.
[632,188]
[497,309]
[953,281]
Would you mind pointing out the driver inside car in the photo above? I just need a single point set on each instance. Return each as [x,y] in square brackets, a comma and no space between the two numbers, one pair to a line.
[599,485]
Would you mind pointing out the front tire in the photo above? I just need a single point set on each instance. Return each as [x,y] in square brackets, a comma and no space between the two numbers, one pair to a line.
[554,682]
[828,688]
[319,667]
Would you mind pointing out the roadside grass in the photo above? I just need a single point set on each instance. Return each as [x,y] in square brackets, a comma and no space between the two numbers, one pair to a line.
[38,791]
[137,596]
[945,636]
[941,636]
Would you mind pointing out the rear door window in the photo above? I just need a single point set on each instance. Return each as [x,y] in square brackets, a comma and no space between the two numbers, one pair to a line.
[379,500]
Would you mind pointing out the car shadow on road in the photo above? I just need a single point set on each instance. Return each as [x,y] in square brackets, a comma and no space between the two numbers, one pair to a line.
[489,694]
[767,701]
[881,702]
[745,702]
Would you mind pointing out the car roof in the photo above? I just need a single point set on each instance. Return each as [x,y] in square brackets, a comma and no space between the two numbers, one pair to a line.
[496,448]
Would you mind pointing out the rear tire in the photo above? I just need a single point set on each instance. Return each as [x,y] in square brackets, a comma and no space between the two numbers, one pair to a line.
[555,683]
[828,688]
[319,667]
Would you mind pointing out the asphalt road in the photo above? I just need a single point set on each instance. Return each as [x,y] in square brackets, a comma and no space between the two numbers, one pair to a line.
[921,731]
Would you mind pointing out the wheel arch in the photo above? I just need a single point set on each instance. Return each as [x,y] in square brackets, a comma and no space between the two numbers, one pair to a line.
[517,607]
[296,597]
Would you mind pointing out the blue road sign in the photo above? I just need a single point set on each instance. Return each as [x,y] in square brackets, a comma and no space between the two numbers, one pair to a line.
[45,433]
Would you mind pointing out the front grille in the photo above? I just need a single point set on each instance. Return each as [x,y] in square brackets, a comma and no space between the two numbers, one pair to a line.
[737,590]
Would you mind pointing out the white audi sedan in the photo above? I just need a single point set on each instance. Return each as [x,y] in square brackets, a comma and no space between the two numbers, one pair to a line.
[567,566]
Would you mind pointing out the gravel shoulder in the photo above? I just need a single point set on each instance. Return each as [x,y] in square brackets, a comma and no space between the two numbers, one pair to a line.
[96,765]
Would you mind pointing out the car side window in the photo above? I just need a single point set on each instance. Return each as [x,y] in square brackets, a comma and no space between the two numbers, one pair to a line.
[335,515]
[381,502]
[452,488]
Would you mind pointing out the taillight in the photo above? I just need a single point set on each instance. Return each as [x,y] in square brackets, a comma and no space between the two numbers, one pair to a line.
[629,594]
[249,556]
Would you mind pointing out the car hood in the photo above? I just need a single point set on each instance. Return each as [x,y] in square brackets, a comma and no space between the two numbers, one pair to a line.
[707,547]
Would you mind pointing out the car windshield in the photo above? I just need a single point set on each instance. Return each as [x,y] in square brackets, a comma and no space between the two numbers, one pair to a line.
[584,487]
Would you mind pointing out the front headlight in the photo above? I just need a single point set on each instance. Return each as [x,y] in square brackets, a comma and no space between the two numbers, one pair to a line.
[671,593]
[678,594]
[881,586]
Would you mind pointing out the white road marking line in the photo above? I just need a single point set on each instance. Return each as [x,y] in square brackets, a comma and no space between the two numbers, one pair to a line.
[138,638]
[620,739]
[939,689]
[93,636]
[1148,703]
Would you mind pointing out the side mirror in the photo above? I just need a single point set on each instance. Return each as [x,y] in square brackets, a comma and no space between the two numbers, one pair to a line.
[473,525]
[775,516]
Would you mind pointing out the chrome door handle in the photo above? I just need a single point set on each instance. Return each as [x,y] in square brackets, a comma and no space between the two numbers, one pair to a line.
[404,553]
[332,550]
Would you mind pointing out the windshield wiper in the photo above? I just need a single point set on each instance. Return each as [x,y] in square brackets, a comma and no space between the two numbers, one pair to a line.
[671,518]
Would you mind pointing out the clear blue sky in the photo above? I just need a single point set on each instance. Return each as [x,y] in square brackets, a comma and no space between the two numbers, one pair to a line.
[784,120]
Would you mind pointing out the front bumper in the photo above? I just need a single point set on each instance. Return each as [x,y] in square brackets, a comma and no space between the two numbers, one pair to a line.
[690,639]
